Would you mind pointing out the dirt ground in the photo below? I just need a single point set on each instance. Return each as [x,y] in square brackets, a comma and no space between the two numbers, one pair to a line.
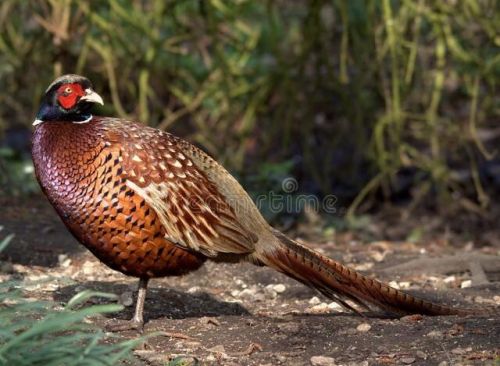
[244,315]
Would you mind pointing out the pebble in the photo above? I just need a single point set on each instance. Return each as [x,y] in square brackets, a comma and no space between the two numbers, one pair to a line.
[322,361]
[127,299]
[335,306]
[281,358]
[394,284]
[377,256]
[270,292]
[435,334]
[88,267]
[239,282]
[466,284]
[321,308]
[408,360]
[235,293]
[219,351]
[363,266]
[210,358]
[461,351]
[61,258]
[279,288]
[363,327]
[194,289]
[314,300]
[449,279]
[248,293]
[422,355]
[66,263]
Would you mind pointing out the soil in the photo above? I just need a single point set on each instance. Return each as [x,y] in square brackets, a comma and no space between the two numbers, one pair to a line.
[240,314]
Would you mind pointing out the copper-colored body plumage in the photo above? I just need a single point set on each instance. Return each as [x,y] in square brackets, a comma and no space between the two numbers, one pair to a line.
[84,170]
[149,204]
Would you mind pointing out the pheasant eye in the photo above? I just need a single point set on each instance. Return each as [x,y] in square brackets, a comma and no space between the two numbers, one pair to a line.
[68,90]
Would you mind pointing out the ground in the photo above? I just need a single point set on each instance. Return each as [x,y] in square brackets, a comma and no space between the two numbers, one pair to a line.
[245,315]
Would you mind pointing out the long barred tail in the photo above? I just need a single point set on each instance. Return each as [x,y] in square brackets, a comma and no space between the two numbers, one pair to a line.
[341,283]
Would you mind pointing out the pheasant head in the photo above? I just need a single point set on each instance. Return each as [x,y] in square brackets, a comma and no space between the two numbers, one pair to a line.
[69,98]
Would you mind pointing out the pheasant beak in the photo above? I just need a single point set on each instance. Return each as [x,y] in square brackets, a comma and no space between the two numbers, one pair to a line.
[92,97]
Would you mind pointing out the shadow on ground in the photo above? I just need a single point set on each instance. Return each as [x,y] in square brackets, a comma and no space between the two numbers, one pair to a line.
[40,236]
[160,302]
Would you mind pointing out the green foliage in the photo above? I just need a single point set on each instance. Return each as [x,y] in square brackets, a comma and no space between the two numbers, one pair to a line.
[359,90]
[37,333]
[16,174]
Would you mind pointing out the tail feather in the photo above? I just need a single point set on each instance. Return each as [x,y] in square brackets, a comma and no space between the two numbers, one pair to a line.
[341,283]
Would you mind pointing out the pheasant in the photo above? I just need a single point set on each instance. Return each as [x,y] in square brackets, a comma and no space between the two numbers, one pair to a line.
[149,204]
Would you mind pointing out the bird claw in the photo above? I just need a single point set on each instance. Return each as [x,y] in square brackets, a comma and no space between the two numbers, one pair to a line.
[129,325]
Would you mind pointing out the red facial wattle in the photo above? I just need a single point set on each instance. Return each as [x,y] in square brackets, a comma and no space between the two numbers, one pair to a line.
[69,94]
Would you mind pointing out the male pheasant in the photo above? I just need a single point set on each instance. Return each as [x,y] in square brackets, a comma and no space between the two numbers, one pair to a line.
[149,204]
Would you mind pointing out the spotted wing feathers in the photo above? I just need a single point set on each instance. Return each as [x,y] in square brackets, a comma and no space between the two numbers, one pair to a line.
[193,212]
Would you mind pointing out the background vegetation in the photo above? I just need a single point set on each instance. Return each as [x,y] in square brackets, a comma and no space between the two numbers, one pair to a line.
[368,100]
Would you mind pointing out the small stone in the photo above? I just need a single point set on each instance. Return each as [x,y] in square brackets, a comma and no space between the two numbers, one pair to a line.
[219,351]
[394,284]
[443,363]
[239,282]
[279,288]
[194,289]
[363,327]
[127,299]
[466,284]
[422,355]
[270,292]
[318,309]
[450,279]
[258,297]
[458,351]
[408,360]
[363,266]
[210,358]
[280,358]
[378,256]
[335,306]
[435,334]
[88,268]
[314,300]
[322,361]
[480,300]
[248,293]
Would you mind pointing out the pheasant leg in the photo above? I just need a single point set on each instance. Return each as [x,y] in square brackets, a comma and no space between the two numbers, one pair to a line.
[137,322]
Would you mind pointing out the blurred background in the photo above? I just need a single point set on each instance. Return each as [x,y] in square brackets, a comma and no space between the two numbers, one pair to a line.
[379,103]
